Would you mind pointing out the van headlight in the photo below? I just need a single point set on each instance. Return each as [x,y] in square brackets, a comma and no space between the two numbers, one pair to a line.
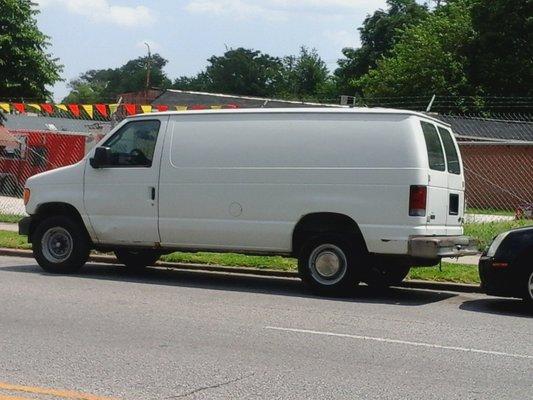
[496,243]
[26,196]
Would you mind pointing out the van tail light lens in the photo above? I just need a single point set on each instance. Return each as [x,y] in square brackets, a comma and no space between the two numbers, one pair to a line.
[417,201]
[26,196]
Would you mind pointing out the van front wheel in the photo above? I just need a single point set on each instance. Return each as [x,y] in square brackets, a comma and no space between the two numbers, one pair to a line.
[60,245]
[137,259]
[327,265]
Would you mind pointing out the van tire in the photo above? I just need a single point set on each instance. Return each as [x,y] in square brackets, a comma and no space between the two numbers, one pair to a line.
[327,264]
[60,245]
[382,276]
[137,259]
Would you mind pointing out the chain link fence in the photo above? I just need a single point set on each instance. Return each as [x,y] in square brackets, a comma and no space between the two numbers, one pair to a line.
[497,151]
[39,140]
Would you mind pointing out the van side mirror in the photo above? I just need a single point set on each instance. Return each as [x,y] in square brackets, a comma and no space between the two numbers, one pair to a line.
[102,157]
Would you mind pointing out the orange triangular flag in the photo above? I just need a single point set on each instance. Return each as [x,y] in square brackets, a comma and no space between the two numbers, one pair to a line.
[101,108]
[19,107]
[130,108]
[74,109]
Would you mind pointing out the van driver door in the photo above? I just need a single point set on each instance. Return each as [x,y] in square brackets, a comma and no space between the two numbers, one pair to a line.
[121,197]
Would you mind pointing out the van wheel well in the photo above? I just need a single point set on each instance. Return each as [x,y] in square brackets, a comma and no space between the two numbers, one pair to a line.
[319,223]
[54,209]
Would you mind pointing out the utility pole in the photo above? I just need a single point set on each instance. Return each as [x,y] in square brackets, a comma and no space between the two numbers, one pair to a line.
[428,109]
[148,67]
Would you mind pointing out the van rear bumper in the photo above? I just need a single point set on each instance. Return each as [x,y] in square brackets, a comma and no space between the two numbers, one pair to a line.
[442,246]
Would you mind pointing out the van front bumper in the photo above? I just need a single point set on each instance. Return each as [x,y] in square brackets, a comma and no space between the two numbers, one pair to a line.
[24,226]
[442,246]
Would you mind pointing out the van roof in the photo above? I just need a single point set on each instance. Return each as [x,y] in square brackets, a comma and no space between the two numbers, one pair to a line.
[314,110]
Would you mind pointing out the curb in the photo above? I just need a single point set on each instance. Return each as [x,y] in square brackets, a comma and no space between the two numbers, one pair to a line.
[413,284]
[189,267]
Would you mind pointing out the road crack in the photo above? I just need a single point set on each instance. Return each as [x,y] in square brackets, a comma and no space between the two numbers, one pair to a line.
[215,386]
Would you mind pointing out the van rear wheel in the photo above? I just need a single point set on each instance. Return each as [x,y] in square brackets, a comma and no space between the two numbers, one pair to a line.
[386,275]
[60,245]
[137,259]
[327,264]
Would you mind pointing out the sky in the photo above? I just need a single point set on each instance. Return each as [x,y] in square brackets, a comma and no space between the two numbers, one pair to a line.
[94,34]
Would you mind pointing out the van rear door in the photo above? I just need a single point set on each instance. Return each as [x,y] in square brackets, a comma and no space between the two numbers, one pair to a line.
[455,212]
[437,192]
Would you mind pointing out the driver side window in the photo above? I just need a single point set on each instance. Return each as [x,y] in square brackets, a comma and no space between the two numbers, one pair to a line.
[133,145]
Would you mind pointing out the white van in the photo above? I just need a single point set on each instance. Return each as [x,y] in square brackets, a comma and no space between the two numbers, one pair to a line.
[354,194]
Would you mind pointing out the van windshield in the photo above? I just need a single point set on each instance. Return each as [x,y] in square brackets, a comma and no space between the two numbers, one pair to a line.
[452,158]
[434,147]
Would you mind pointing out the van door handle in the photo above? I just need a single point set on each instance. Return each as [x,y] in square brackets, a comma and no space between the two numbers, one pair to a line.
[152,193]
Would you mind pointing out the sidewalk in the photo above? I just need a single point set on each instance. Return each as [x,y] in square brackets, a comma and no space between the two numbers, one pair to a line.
[468,260]
[5,226]
[12,206]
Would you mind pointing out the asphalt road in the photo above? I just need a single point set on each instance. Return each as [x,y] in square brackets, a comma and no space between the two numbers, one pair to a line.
[171,335]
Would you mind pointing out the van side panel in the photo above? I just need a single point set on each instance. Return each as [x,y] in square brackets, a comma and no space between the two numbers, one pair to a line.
[242,182]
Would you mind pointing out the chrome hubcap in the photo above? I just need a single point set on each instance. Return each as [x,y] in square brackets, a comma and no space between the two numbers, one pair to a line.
[328,264]
[57,244]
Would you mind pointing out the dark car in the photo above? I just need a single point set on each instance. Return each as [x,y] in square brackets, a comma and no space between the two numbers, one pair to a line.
[506,267]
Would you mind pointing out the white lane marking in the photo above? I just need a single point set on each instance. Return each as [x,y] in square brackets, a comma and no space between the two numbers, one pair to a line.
[404,342]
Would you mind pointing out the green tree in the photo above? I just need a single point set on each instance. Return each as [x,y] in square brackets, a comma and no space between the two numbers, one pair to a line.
[106,84]
[239,71]
[502,51]
[431,58]
[89,88]
[304,77]
[198,83]
[378,34]
[26,69]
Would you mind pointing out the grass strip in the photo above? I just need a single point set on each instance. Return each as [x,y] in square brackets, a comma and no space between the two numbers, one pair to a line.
[13,240]
[484,232]
[10,218]
[456,273]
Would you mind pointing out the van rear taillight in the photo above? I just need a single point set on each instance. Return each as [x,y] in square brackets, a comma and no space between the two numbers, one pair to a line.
[417,201]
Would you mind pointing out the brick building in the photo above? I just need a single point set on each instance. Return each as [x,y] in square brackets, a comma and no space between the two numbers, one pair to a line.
[498,160]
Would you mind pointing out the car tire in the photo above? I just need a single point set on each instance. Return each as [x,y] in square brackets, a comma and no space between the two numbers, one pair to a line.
[328,264]
[527,286]
[382,276]
[60,245]
[137,259]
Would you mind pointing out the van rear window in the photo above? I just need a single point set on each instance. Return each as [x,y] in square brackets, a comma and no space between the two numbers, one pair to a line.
[454,166]
[434,147]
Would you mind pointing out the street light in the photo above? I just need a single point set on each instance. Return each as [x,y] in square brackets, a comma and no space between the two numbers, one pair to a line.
[148,66]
